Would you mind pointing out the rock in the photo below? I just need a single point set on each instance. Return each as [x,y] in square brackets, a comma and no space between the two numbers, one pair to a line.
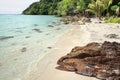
[81,22]
[49,47]
[58,28]
[66,22]
[24,49]
[117,71]
[5,37]
[86,72]
[84,19]
[37,30]
[114,78]
[27,37]
[112,36]
[118,26]
[13,44]
[19,31]
[50,26]
[35,25]
[53,22]
[102,76]
[75,19]
[66,68]
[70,19]
[95,59]
[48,34]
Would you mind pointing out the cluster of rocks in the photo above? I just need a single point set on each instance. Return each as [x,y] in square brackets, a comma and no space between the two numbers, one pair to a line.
[77,19]
[95,60]
[112,36]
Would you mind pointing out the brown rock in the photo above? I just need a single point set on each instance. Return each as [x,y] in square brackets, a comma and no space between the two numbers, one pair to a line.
[94,59]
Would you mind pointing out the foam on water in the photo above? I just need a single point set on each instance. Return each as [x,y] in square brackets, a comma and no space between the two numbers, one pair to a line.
[25,39]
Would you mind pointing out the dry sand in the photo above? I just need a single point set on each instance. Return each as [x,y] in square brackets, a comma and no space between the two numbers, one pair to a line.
[77,35]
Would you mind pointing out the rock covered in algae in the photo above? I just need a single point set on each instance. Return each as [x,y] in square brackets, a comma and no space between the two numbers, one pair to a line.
[95,59]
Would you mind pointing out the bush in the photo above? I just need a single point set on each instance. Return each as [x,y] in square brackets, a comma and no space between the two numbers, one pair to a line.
[112,19]
[113,8]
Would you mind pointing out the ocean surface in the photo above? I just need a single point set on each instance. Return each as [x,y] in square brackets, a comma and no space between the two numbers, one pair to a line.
[24,40]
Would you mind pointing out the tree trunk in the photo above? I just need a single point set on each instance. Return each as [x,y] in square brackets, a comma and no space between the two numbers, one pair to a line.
[118,11]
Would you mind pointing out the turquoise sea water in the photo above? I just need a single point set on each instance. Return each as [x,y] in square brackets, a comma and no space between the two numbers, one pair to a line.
[25,39]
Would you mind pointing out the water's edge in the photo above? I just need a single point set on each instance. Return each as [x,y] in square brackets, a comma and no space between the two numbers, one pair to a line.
[25,39]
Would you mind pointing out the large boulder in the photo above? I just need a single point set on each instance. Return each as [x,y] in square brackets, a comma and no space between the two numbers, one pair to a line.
[95,59]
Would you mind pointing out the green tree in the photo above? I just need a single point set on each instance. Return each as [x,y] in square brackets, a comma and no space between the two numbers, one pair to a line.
[81,6]
[66,7]
[44,7]
[98,7]
[107,4]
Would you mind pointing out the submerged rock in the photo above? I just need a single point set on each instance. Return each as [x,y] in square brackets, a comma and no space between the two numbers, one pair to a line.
[35,25]
[95,59]
[58,28]
[27,36]
[24,49]
[5,37]
[50,26]
[49,47]
[37,30]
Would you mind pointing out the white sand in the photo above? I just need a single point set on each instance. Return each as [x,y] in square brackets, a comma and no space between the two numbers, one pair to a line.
[77,35]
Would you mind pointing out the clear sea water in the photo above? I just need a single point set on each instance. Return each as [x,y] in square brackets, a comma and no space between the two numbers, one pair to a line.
[25,39]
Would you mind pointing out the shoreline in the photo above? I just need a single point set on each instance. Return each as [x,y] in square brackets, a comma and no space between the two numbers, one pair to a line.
[45,69]
[77,35]
[23,42]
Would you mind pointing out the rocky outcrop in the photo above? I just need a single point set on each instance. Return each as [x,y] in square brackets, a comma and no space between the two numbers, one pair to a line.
[75,19]
[99,60]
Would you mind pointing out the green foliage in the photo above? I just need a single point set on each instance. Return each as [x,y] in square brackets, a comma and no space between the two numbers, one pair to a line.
[32,9]
[72,7]
[92,7]
[113,8]
[44,7]
[65,7]
[98,7]
[60,7]
[112,19]
[81,6]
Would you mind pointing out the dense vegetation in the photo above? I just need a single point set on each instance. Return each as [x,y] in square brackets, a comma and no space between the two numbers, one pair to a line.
[72,7]
[43,7]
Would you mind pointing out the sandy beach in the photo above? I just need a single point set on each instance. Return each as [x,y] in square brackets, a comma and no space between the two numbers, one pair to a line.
[77,35]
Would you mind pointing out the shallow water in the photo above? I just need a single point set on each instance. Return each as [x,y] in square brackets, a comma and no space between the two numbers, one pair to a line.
[25,39]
